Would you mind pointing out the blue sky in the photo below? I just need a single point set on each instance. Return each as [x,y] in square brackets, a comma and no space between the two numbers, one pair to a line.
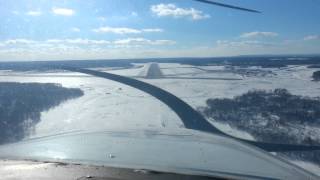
[108,29]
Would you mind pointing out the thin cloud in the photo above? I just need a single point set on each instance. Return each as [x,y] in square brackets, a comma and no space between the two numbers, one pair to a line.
[171,10]
[135,14]
[227,43]
[63,11]
[258,34]
[117,30]
[124,30]
[163,42]
[34,13]
[101,18]
[143,41]
[75,29]
[153,30]
[80,41]
[15,12]
[19,41]
[311,37]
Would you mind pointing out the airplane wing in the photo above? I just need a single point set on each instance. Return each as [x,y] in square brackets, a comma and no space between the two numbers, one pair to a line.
[184,152]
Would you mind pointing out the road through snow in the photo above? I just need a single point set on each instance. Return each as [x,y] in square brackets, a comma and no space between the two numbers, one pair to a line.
[190,117]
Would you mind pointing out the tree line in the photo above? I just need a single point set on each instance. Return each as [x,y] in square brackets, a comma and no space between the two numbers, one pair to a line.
[21,105]
[275,116]
[316,76]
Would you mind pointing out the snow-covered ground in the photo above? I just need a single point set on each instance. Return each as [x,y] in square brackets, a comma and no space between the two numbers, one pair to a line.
[107,104]
[297,79]
[224,83]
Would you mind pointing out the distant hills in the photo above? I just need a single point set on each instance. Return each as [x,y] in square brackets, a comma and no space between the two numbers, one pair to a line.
[249,60]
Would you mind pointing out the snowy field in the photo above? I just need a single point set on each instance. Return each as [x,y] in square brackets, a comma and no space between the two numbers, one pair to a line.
[222,82]
[105,105]
[111,105]
[225,83]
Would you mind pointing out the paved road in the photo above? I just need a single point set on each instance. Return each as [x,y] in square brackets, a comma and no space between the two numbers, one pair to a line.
[190,117]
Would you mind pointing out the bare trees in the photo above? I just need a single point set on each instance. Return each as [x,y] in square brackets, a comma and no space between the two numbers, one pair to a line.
[316,76]
[22,103]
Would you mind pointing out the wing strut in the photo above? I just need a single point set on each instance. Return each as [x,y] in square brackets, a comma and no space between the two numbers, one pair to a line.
[227,6]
